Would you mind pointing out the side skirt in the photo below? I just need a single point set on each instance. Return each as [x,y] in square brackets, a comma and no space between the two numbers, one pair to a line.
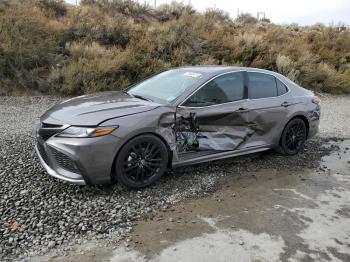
[200,157]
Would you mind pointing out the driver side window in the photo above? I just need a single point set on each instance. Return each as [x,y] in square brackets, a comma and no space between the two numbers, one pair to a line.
[223,89]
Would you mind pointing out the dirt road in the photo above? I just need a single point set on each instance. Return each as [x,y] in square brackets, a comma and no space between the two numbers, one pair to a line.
[269,215]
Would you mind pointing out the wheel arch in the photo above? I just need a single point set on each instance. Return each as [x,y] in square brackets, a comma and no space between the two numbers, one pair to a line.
[302,117]
[170,152]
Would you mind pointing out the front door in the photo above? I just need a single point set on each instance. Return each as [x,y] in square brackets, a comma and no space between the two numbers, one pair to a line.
[214,118]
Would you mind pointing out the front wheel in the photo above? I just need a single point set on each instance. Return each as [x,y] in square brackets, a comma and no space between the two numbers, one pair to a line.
[141,161]
[293,137]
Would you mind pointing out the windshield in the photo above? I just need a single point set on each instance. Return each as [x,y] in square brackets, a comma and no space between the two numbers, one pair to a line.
[166,86]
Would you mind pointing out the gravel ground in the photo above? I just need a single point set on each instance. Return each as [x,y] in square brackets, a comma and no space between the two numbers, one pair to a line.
[39,213]
[335,115]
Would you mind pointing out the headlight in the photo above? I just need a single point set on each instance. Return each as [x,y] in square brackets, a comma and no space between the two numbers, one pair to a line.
[76,131]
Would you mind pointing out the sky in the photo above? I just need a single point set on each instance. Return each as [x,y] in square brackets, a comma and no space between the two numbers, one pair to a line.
[303,12]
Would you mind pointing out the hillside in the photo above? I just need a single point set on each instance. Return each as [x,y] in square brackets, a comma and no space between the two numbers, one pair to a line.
[47,46]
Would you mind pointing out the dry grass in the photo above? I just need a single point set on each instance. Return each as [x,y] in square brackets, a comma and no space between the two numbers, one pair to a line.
[47,46]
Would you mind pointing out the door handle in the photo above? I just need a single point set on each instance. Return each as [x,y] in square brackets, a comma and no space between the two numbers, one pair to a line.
[242,110]
[285,104]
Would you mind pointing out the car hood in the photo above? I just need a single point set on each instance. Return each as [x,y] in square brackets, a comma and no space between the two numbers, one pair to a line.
[91,110]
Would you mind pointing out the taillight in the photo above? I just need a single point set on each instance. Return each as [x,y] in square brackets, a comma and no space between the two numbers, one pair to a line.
[316,100]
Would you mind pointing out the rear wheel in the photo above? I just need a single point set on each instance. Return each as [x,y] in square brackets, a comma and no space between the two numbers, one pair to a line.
[293,137]
[141,161]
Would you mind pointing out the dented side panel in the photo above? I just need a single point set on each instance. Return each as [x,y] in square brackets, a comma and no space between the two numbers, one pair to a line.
[220,127]
[267,117]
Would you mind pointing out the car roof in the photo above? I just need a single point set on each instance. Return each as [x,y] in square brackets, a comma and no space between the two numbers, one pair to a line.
[212,69]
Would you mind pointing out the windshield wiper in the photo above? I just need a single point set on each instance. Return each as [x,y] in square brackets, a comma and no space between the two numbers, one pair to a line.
[142,97]
[137,96]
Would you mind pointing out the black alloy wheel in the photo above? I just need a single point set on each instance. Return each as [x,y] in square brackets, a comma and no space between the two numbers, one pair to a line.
[293,137]
[141,161]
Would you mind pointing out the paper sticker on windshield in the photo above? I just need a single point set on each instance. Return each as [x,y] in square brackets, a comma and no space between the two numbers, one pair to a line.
[192,74]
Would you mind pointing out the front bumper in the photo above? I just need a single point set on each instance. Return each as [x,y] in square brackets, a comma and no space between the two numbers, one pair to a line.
[79,160]
[76,179]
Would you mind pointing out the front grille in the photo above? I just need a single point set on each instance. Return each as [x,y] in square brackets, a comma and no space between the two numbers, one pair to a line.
[45,134]
[47,125]
[47,130]
[43,153]
[64,161]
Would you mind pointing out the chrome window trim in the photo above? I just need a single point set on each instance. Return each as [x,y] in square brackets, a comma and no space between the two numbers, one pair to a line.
[247,99]
[213,105]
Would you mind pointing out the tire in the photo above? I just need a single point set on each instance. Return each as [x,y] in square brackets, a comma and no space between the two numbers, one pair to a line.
[141,161]
[293,137]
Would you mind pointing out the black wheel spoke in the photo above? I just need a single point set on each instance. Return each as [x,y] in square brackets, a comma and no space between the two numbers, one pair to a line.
[154,164]
[154,160]
[143,161]
[288,141]
[138,174]
[142,174]
[148,148]
[137,150]
[148,170]
[155,153]
[132,162]
[300,136]
[130,168]
[295,136]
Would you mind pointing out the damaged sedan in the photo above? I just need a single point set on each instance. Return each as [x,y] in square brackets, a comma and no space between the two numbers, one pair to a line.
[179,117]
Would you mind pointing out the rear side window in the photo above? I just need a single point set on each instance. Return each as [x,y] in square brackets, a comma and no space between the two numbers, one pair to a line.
[281,88]
[261,85]
[223,89]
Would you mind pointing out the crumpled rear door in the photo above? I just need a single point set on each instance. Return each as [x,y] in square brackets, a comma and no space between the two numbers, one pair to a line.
[268,108]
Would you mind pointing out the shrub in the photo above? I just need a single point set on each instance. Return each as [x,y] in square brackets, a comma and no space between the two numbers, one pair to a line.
[218,15]
[128,8]
[174,10]
[95,68]
[329,80]
[27,44]
[287,67]
[89,24]
[49,46]
[246,19]
[54,8]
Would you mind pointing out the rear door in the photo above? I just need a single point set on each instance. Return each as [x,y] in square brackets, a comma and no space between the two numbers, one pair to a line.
[268,108]
[214,116]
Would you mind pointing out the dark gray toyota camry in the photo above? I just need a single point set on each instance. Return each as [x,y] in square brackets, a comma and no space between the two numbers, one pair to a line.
[179,117]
